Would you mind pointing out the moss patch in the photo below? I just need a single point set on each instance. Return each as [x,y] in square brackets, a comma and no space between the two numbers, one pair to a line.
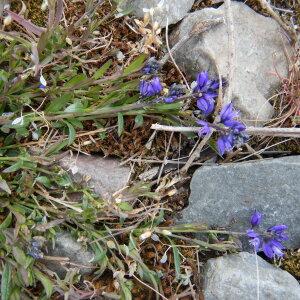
[292,263]
[33,11]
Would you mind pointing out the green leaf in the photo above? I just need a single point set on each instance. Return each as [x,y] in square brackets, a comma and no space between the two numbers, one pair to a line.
[125,206]
[44,180]
[135,65]
[139,120]
[46,282]
[20,256]
[13,168]
[6,223]
[4,186]
[120,123]
[76,79]
[59,103]
[72,133]
[6,282]
[57,147]
[126,293]
[76,123]
[75,107]
[99,73]
[177,260]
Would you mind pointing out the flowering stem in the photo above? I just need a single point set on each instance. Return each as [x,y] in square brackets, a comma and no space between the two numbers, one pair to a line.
[267,131]
[105,112]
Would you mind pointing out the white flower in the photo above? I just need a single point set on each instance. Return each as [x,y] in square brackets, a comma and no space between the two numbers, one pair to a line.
[164,258]
[43,81]
[18,121]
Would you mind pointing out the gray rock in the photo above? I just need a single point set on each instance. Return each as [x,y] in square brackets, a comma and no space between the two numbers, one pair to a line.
[104,175]
[234,277]
[67,247]
[259,47]
[227,195]
[175,10]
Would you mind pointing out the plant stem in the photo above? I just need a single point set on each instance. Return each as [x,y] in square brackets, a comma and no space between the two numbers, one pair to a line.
[266,131]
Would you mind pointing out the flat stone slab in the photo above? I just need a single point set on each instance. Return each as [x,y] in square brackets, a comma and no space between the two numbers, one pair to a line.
[104,175]
[234,277]
[201,43]
[227,195]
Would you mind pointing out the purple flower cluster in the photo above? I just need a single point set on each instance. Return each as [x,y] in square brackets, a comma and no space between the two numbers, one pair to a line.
[175,91]
[271,242]
[235,133]
[154,87]
[151,87]
[232,131]
[151,67]
[208,90]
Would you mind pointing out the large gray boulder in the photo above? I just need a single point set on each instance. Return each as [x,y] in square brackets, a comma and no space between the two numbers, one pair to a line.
[175,10]
[234,277]
[67,254]
[259,45]
[227,195]
[104,175]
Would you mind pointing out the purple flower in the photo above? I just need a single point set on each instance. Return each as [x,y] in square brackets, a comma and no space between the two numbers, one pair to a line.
[255,239]
[202,80]
[236,135]
[278,232]
[256,219]
[205,129]
[209,91]
[206,105]
[225,143]
[151,67]
[228,114]
[256,243]
[273,248]
[205,85]
[151,87]
[175,91]
[277,228]
[269,243]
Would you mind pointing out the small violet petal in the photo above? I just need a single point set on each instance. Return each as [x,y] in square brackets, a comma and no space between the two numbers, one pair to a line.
[256,219]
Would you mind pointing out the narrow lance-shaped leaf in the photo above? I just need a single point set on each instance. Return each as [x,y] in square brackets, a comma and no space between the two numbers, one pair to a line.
[6,282]
[99,73]
[6,223]
[4,186]
[46,282]
[72,134]
[135,65]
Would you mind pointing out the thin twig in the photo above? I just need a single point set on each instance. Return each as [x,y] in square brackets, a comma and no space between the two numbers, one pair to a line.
[264,131]
[172,58]
[267,6]
[195,154]
[150,287]
[231,48]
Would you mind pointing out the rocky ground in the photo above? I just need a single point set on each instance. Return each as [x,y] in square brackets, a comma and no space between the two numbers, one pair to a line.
[98,205]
